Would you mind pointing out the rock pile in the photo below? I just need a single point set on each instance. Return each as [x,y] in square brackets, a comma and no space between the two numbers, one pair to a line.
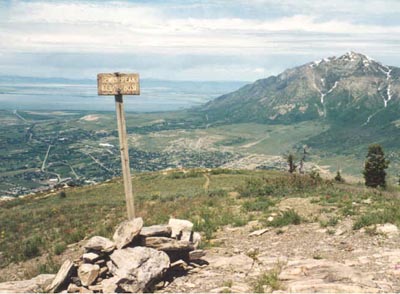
[136,259]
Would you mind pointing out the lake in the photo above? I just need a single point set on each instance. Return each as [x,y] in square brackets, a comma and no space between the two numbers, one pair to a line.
[155,95]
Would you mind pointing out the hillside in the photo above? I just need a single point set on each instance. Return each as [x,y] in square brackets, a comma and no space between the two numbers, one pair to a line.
[324,227]
[352,88]
[357,97]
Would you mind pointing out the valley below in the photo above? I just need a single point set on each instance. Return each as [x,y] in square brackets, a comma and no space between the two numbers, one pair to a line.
[326,113]
[45,150]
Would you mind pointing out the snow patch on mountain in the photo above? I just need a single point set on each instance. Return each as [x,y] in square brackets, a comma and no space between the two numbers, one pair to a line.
[333,87]
[326,93]
[388,73]
[371,116]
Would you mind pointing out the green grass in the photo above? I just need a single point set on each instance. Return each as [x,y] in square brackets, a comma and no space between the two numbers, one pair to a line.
[35,225]
[288,217]
[384,213]
[269,279]
[331,222]
[46,224]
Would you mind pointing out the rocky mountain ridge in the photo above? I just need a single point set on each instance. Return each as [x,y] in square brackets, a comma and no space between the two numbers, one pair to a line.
[352,88]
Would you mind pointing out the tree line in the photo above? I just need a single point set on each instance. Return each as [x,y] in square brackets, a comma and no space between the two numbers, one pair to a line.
[374,171]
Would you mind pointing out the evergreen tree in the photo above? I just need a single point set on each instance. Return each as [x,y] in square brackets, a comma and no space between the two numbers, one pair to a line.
[338,177]
[292,165]
[375,165]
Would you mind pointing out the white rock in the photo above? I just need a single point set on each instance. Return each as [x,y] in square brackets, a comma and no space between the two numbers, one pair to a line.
[180,227]
[324,276]
[168,244]
[196,239]
[157,230]
[387,229]
[110,285]
[88,273]
[270,219]
[186,236]
[259,232]
[339,232]
[221,290]
[36,284]
[196,254]
[96,287]
[99,243]
[126,231]
[90,257]
[320,286]
[240,263]
[179,263]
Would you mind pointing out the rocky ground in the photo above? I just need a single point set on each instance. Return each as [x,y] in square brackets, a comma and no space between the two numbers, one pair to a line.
[296,258]
[305,258]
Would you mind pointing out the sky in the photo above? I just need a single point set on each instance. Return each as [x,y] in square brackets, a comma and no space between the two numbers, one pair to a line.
[204,40]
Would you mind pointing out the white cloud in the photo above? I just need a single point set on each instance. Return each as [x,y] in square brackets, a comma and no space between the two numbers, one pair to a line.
[123,27]
[133,28]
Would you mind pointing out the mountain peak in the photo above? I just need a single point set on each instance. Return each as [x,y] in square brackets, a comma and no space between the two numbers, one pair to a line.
[355,56]
[353,88]
[348,57]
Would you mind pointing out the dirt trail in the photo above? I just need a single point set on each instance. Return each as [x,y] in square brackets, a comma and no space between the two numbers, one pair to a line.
[207,183]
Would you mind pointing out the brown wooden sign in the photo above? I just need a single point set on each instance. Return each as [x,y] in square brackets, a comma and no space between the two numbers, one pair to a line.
[118,84]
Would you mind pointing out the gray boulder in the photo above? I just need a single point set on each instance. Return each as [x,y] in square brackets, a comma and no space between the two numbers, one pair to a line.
[168,244]
[90,257]
[138,268]
[88,273]
[110,285]
[99,243]
[126,231]
[61,280]
[157,230]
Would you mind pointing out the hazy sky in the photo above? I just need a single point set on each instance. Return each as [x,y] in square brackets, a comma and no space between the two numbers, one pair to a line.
[188,39]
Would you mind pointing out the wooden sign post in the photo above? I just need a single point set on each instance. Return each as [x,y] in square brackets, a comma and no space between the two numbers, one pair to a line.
[119,84]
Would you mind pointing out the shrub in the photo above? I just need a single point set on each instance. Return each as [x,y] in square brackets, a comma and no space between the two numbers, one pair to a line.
[220,171]
[206,223]
[314,174]
[259,204]
[281,186]
[49,267]
[389,214]
[268,279]
[59,248]
[255,187]
[288,217]
[31,247]
[331,222]
[74,236]
[184,175]
[338,178]
[217,193]
[292,165]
